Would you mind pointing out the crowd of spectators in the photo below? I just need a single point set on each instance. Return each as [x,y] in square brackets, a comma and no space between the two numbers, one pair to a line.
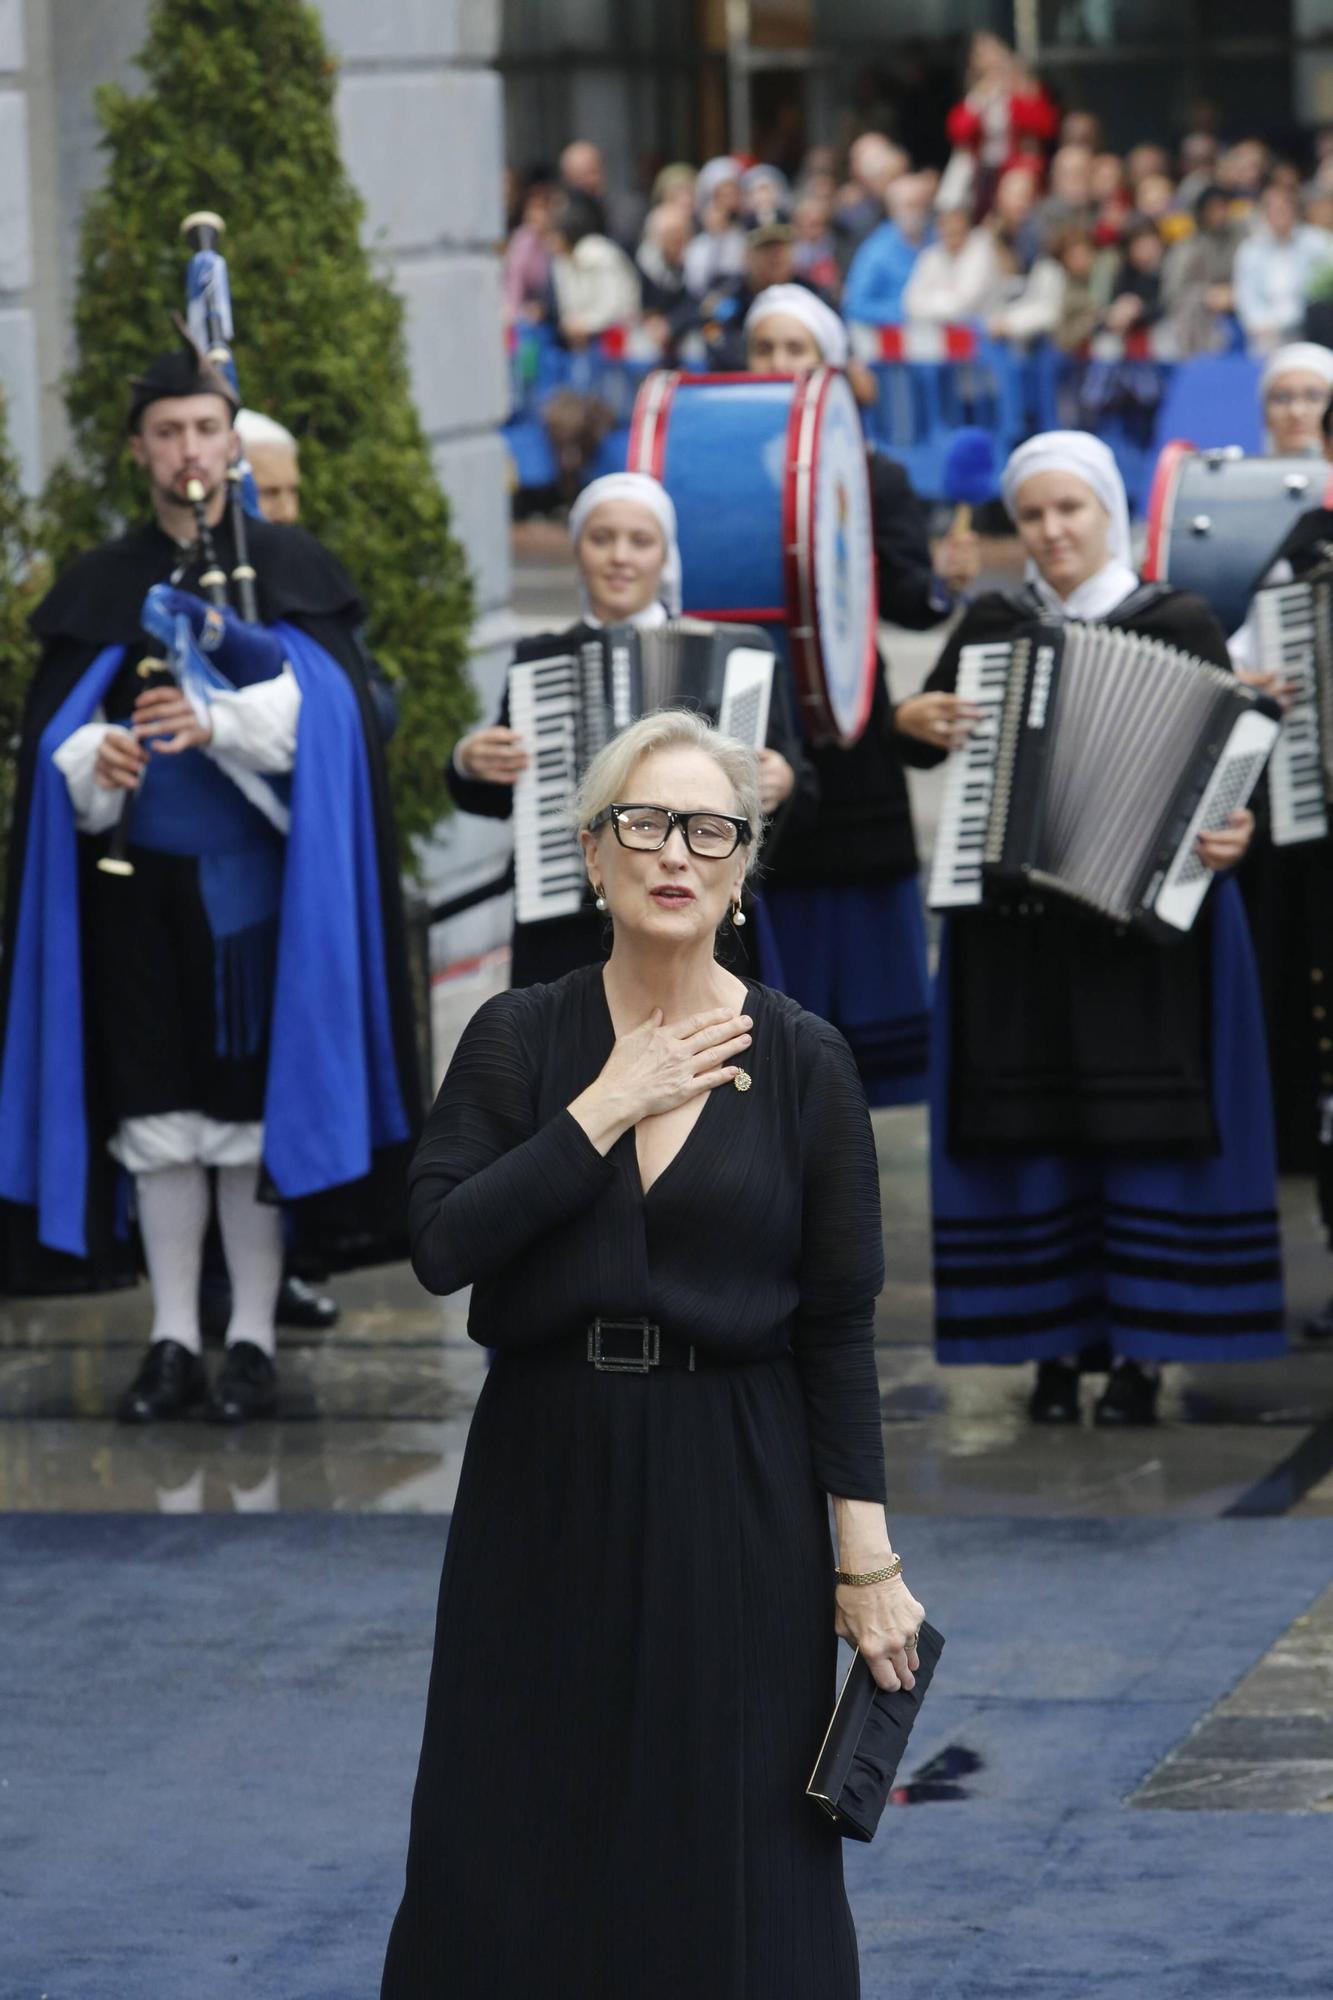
[1033,231]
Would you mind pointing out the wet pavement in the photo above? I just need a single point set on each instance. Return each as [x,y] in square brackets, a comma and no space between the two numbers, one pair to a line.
[374,1413]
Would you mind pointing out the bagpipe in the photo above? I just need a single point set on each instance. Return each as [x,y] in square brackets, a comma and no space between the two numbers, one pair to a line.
[208,321]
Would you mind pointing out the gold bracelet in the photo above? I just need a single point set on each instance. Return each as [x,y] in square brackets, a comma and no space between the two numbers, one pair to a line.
[860,1577]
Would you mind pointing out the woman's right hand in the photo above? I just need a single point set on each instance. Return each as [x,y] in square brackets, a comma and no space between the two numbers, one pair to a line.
[120,761]
[942,720]
[656,1067]
[493,756]
[1270,682]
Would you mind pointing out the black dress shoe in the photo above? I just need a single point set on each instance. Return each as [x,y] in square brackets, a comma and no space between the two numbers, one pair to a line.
[170,1382]
[1129,1398]
[247,1385]
[1319,1326]
[1054,1398]
[299,1304]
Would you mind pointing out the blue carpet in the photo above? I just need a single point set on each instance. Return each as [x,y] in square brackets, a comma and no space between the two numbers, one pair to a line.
[210,1728]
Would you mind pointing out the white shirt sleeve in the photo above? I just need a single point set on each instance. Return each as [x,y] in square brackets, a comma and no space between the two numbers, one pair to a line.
[1243,645]
[256,726]
[96,807]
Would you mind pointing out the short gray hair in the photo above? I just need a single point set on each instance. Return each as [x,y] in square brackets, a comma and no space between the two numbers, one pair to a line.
[607,776]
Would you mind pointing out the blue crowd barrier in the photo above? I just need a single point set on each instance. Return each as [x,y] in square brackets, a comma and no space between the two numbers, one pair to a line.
[1133,402]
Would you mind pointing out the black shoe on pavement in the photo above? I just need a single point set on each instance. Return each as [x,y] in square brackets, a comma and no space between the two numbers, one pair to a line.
[1054,1398]
[247,1385]
[170,1382]
[1129,1398]
[1319,1326]
[299,1304]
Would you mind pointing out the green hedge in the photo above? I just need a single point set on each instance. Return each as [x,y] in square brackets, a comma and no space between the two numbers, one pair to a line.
[237,115]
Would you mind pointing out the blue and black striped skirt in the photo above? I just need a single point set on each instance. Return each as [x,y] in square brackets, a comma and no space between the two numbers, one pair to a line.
[1163,1260]
[855,954]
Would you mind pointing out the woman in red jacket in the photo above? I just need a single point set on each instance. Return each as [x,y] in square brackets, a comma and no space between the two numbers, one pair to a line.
[1005,118]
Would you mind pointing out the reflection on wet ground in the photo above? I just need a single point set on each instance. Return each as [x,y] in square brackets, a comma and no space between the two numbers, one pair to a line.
[374,1414]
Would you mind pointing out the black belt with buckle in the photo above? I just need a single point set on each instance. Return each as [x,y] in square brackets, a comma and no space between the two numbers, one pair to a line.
[634,1346]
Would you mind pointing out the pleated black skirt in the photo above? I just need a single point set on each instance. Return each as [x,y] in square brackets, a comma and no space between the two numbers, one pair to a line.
[633,1672]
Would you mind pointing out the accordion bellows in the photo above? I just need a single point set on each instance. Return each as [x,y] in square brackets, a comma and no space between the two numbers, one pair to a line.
[1101,758]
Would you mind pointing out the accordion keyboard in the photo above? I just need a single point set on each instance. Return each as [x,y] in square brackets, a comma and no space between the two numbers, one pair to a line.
[548,865]
[969,784]
[1234,778]
[1285,615]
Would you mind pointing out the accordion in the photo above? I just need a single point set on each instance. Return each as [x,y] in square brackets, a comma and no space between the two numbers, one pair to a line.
[1101,758]
[568,707]
[1295,628]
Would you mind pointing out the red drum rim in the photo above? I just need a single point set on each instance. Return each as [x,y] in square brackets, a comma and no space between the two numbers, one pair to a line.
[805,424]
[1171,462]
[650,424]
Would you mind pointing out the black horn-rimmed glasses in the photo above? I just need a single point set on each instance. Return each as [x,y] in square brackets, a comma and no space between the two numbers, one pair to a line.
[711,836]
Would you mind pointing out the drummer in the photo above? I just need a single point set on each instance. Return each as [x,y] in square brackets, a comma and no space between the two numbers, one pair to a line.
[843,930]
[623,532]
[1289,890]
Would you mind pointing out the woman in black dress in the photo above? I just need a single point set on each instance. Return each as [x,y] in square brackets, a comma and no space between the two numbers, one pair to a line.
[1103,1180]
[623,532]
[661,1184]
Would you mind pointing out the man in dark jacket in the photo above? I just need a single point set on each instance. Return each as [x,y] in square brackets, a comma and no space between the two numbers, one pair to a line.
[220,996]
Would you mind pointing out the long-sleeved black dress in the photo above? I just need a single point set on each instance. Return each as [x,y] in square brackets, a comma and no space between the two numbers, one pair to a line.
[634,1656]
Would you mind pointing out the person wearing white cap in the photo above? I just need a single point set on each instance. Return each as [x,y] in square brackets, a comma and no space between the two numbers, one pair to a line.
[623,531]
[1289,890]
[842,928]
[1103,1178]
[1294,389]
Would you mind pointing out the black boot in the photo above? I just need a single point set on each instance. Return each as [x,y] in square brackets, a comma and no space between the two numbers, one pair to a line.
[1054,1398]
[299,1304]
[247,1385]
[1129,1398]
[1319,1326]
[170,1382]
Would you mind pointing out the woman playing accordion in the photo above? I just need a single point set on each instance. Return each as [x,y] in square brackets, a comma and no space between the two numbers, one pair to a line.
[1103,1173]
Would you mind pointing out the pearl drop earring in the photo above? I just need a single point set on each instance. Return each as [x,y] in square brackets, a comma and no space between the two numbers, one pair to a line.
[738,917]
[600,903]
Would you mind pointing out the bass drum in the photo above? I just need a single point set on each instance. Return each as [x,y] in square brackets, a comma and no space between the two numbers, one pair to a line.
[772,494]
[1217,519]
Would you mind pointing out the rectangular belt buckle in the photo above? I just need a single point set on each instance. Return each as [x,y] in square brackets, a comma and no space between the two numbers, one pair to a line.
[648,1336]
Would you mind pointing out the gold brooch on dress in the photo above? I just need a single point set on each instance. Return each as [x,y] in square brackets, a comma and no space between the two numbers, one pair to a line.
[742,1079]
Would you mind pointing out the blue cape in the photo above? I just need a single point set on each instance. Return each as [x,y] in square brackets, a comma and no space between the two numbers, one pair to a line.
[333,1095]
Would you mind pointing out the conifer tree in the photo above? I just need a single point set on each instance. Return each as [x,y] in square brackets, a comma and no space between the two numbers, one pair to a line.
[237,115]
[21,582]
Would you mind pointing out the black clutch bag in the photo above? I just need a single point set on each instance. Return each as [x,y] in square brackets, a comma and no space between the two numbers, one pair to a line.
[863,1748]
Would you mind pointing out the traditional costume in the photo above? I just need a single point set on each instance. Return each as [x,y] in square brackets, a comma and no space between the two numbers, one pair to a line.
[237,1004]
[1289,891]
[546,950]
[842,929]
[1103,1172]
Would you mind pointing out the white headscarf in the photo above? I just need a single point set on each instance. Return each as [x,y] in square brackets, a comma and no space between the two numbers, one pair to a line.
[1304,355]
[1087,458]
[713,175]
[819,320]
[644,492]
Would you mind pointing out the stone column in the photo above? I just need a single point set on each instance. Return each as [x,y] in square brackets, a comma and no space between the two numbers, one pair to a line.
[18,325]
